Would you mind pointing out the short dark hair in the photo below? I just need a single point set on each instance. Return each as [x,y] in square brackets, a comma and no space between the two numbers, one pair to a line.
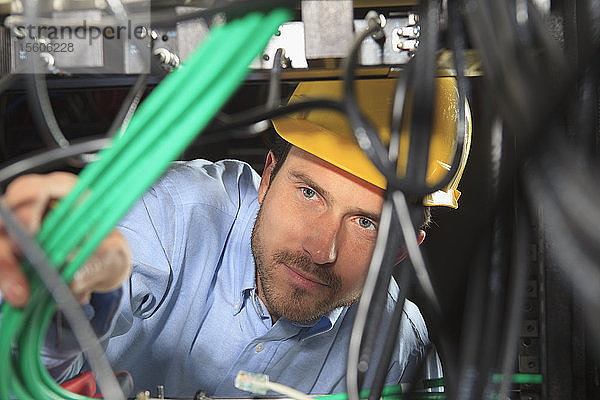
[281,148]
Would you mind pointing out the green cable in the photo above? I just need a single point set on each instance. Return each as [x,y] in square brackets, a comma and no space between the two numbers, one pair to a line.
[33,370]
[278,17]
[150,145]
[191,121]
[56,260]
[395,391]
[520,378]
[364,394]
[37,293]
[93,187]
[388,391]
[150,106]
[150,162]
[10,322]
[182,81]
[496,378]
[433,383]
[177,151]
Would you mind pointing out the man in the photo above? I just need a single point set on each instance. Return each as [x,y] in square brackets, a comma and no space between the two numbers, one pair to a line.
[232,271]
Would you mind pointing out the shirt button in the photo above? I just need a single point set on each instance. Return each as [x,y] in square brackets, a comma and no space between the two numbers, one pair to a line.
[259,347]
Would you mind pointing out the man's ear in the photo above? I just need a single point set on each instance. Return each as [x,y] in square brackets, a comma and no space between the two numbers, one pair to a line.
[402,251]
[265,180]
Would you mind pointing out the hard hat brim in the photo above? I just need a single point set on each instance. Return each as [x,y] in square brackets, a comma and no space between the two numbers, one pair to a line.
[329,146]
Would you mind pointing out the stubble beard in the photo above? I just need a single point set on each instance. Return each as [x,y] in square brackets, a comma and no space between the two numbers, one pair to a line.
[295,304]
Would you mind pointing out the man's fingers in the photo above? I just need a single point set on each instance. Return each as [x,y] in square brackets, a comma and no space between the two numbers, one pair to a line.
[13,285]
[29,195]
[105,270]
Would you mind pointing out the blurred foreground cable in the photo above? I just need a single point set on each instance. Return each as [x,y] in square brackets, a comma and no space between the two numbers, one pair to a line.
[164,125]
[47,158]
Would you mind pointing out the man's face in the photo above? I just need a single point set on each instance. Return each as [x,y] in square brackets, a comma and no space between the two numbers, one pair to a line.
[314,236]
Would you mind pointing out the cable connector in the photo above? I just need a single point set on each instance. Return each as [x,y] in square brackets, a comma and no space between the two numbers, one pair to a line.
[376,22]
[251,382]
[260,384]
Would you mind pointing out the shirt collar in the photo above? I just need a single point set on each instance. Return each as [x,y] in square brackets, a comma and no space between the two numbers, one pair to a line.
[324,324]
[246,289]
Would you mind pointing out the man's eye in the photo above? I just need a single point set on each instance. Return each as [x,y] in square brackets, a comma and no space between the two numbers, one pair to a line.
[366,223]
[308,193]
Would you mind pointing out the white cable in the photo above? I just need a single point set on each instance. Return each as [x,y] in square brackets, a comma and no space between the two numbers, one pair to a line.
[259,383]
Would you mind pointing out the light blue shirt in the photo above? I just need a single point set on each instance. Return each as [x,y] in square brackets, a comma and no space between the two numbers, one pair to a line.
[189,318]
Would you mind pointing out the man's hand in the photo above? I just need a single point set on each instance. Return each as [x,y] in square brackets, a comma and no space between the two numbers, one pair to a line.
[30,197]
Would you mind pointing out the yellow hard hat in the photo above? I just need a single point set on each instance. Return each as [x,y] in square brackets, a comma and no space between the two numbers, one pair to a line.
[328,134]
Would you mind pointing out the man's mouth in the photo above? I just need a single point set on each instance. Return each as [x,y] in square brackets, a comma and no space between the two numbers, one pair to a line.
[303,278]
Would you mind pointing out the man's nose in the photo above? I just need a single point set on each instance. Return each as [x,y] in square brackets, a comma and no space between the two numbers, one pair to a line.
[321,240]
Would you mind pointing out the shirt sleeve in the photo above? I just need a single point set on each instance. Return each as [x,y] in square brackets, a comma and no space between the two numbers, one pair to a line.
[157,229]
[421,359]
[148,230]
[61,354]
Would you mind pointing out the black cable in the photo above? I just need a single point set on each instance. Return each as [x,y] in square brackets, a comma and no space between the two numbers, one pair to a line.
[501,74]
[499,249]
[41,109]
[364,132]
[260,114]
[49,158]
[574,262]
[274,96]
[362,312]
[377,303]
[372,302]
[471,332]
[130,104]
[516,298]
[492,326]
[550,98]
[555,59]
[457,42]
[527,97]
[37,90]
[561,166]
[391,338]
[423,96]
[65,300]
[545,183]
[371,144]
[246,124]
[398,104]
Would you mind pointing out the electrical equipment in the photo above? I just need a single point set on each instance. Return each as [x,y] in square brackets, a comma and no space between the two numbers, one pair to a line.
[83,38]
